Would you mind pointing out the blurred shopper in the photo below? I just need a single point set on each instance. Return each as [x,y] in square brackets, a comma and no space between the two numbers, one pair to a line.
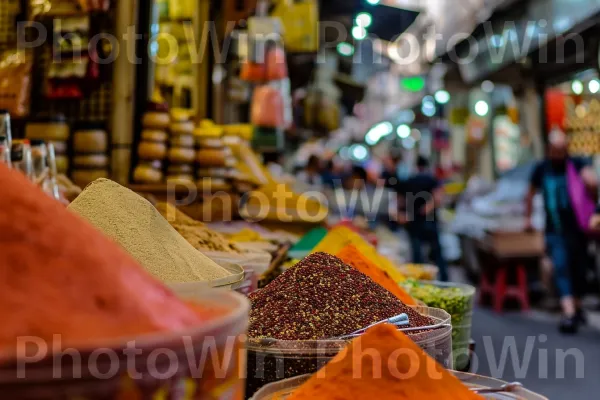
[422,197]
[274,163]
[566,241]
[390,168]
[328,176]
[311,174]
[356,180]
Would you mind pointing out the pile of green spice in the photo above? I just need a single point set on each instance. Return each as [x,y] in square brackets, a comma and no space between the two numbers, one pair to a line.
[320,298]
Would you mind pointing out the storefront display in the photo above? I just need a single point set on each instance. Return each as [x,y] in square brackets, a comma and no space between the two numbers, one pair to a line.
[209,199]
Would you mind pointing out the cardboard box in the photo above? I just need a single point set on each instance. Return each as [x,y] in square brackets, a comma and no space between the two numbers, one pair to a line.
[515,244]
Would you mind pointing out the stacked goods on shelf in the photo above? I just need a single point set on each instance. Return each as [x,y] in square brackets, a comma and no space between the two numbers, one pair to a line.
[152,149]
[15,81]
[181,153]
[52,129]
[583,126]
[281,203]
[90,148]
[214,160]
[248,170]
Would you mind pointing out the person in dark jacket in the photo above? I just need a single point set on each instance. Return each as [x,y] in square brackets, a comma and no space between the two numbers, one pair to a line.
[422,197]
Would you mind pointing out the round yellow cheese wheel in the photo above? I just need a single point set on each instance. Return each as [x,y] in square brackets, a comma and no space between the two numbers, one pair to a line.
[62,164]
[154,135]
[152,150]
[181,169]
[47,131]
[182,128]
[214,184]
[211,158]
[182,179]
[83,177]
[156,120]
[93,141]
[144,173]
[180,114]
[214,172]
[210,143]
[91,161]
[230,162]
[181,155]
[182,141]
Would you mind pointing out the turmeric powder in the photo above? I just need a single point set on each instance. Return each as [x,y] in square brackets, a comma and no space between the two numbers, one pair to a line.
[353,257]
[400,370]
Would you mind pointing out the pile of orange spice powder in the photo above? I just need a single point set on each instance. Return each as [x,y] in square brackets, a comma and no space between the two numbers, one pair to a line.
[401,370]
[58,275]
[353,257]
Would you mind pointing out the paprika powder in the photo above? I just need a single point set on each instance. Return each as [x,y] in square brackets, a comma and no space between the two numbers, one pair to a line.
[59,275]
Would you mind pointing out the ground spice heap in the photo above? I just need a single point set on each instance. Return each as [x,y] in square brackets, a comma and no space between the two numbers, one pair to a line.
[195,232]
[410,376]
[355,258]
[321,297]
[132,222]
[59,275]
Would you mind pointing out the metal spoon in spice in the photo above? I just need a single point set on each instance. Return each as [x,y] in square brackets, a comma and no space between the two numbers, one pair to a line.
[398,320]
[506,388]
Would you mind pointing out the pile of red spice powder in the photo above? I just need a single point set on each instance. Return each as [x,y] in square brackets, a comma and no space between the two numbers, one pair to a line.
[320,298]
[58,275]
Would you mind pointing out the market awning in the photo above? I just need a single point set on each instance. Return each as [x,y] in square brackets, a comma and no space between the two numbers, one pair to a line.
[515,33]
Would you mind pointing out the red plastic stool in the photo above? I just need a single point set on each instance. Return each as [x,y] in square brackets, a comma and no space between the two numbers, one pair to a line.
[500,290]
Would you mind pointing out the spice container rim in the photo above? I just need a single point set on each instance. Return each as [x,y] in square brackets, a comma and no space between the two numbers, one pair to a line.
[232,281]
[466,289]
[282,389]
[432,270]
[237,311]
[325,346]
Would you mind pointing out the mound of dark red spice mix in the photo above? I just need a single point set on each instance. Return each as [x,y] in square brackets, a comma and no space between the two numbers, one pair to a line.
[320,298]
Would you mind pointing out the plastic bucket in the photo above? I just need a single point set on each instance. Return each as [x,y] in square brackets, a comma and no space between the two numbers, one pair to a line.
[178,365]
[457,299]
[272,360]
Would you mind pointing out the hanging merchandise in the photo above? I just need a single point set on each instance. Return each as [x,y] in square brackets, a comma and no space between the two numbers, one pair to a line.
[253,72]
[267,107]
[276,66]
[73,71]
[15,82]
[476,131]
[301,24]
[181,9]
[66,7]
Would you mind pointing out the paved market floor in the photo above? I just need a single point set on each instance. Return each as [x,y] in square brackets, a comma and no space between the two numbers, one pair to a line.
[529,349]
